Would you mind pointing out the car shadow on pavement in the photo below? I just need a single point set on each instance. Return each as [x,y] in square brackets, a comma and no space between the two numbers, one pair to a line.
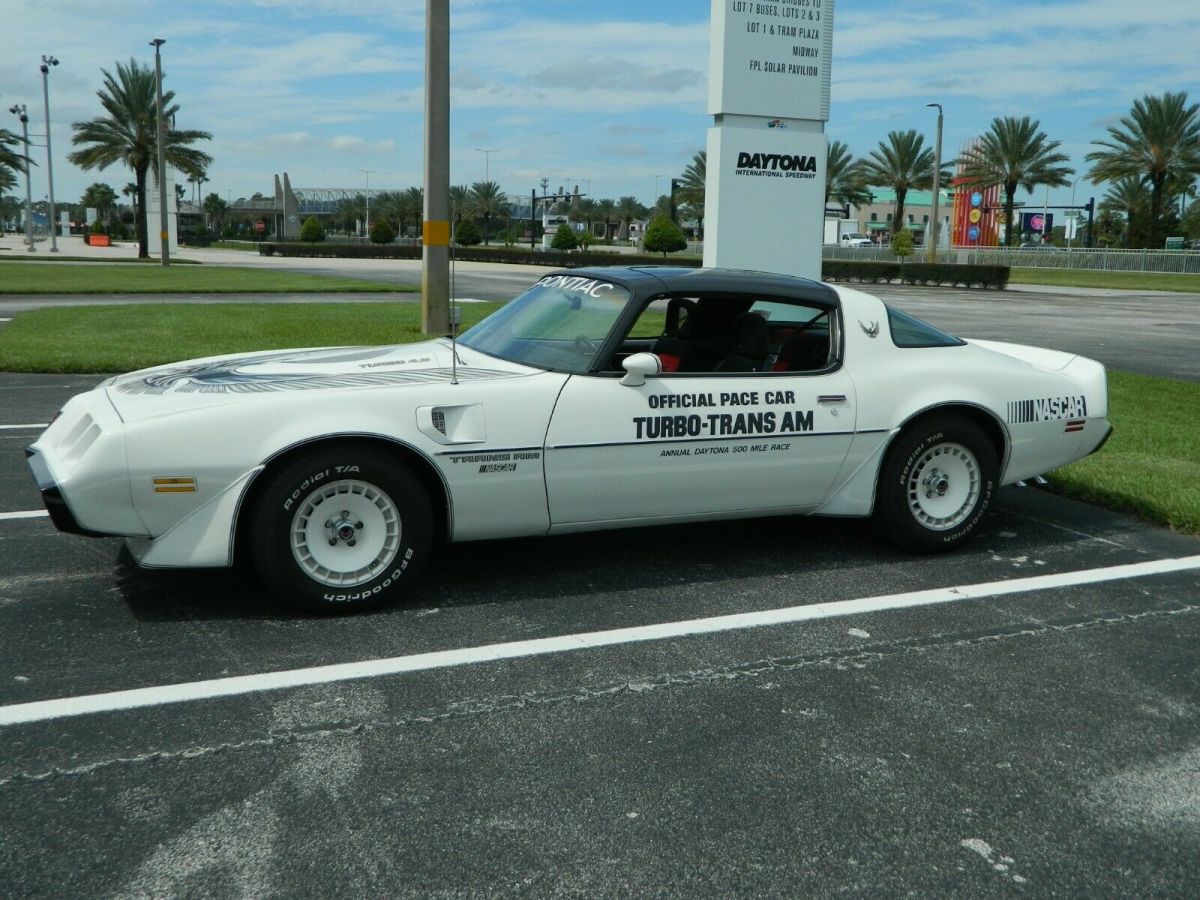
[481,573]
[742,553]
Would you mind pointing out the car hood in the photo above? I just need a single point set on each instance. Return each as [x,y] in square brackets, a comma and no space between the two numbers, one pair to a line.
[219,380]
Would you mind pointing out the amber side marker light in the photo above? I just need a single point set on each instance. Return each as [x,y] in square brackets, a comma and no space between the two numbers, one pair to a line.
[174,485]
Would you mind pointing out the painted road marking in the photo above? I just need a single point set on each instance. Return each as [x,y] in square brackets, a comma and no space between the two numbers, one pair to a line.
[29,427]
[39,711]
[26,514]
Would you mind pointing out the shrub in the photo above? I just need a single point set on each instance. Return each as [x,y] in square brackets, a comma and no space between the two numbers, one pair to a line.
[312,231]
[382,232]
[98,227]
[467,234]
[664,236]
[902,243]
[914,273]
[564,238]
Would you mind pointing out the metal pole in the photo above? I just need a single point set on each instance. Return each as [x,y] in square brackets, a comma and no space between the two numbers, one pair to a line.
[931,250]
[19,111]
[367,197]
[47,62]
[435,236]
[164,230]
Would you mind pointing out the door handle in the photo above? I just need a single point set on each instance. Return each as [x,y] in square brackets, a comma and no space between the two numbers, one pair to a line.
[831,398]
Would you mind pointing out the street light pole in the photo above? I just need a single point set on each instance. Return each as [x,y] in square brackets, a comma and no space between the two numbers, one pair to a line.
[487,158]
[164,232]
[931,249]
[19,111]
[47,62]
[367,197]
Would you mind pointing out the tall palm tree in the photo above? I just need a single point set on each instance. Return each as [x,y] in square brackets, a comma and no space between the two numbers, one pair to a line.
[606,211]
[903,163]
[11,162]
[1159,143]
[460,196]
[1128,197]
[100,197]
[411,208]
[1015,152]
[844,178]
[628,209]
[128,134]
[690,192]
[215,207]
[486,201]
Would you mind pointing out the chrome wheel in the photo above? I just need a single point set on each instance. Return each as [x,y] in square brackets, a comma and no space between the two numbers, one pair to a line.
[345,533]
[943,486]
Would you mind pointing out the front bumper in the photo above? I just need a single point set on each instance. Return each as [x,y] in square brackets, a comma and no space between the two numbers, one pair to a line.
[53,499]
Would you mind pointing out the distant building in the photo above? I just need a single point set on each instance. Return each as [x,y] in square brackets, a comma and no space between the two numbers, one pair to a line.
[876,218]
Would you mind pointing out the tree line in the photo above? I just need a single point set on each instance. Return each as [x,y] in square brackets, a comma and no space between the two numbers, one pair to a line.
[1150,161]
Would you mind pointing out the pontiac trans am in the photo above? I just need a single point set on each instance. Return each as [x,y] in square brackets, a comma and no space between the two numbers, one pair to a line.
[599,398]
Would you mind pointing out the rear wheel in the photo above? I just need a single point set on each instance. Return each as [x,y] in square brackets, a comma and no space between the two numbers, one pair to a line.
[341,529]
[936,484]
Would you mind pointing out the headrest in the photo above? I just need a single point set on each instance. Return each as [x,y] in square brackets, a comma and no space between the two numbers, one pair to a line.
[753,337]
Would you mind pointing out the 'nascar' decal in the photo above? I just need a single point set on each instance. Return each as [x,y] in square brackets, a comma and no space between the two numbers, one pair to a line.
[1047,409]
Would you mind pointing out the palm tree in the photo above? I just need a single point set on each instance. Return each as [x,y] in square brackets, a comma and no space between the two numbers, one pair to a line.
[902,163]
[215,207]
[1128,197]
[411,207]
[606,211]
[459,202]
[128,134]
[100,197]
[628,209]
[1014,152]
[1159,143]
[10,161]
[690,192]
[843,177]
[485,201]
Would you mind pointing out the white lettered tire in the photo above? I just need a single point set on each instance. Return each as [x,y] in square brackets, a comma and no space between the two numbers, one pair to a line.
[341,529]
[936,484]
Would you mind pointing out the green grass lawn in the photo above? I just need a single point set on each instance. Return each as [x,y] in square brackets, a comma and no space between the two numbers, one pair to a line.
[134,278]
[1125,281]
[1151,465]
[121,338]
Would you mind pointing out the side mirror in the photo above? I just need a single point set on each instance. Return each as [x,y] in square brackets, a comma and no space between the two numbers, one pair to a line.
[638,366]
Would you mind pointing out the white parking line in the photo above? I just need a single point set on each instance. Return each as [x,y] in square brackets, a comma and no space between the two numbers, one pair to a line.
[42,710]
[30,427]
[25,514]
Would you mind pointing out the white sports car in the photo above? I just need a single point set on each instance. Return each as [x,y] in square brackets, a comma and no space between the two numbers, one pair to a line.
[599,398]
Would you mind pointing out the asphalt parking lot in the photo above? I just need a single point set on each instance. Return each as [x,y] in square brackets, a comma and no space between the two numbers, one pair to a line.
[1030,727]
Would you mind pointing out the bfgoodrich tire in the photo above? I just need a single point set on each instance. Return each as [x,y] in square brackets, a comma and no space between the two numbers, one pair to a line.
[936,484]
[341,529]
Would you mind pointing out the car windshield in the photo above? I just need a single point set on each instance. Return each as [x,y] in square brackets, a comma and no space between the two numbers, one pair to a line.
[559,323]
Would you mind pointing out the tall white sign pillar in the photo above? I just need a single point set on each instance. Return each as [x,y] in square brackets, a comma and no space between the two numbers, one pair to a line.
[768,94]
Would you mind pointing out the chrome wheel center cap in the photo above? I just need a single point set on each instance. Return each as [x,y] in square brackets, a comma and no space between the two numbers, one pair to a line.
[344,529]
[936,482]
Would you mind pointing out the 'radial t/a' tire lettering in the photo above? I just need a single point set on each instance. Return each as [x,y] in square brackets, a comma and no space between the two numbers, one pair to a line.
[341,529]
[936,484]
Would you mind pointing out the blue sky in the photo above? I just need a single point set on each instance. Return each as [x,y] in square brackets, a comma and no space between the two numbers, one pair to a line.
[608,96]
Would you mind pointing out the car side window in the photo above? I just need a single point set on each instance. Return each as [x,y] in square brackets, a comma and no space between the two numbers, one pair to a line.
[724,333]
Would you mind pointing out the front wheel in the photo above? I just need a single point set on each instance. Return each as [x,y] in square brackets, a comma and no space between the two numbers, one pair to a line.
[936,484]
[341,529]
